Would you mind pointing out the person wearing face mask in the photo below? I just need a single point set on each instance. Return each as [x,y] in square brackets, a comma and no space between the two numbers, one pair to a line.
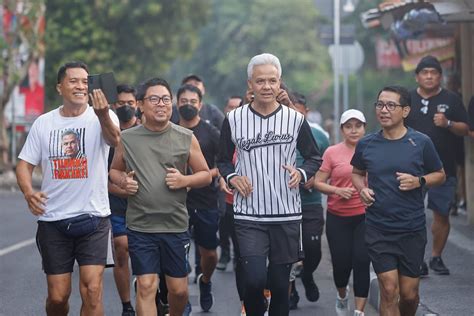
[125,108]
[202,202]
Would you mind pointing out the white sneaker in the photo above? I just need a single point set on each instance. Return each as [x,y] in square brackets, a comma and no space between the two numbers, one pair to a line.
[358,313]
[342,305]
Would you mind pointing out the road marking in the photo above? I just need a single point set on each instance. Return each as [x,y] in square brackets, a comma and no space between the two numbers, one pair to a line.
[17,246]
[460,241]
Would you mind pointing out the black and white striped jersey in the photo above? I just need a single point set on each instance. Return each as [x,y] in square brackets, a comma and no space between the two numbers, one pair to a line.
[263,145]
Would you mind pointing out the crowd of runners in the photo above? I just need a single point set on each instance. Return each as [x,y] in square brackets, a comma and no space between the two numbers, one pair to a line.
[131,185]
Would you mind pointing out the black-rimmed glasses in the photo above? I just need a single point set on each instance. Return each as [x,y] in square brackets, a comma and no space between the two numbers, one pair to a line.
[155,100]
[391,106]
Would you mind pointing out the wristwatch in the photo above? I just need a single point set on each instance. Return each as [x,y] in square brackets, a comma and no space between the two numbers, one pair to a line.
[449,124]
[422,181]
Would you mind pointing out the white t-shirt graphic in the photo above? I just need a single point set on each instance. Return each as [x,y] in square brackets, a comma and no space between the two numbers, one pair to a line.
[73,155]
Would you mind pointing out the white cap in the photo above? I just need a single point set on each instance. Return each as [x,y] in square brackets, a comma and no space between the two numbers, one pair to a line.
[350,114]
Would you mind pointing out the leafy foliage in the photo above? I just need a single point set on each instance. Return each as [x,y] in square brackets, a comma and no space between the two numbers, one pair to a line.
[136,39]
[238,30]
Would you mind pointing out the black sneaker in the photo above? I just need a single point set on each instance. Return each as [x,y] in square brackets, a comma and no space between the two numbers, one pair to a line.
[294,298]
[205,294]
[223,260]
[437,265]
[311,289]
[424,269]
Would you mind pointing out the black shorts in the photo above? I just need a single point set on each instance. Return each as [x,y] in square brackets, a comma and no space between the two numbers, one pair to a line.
[313,219]
[280,243]
[58,251]
[396,251]
[205,224]
[158,253]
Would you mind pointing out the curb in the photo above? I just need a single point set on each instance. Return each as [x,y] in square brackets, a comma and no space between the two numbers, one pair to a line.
[374,297]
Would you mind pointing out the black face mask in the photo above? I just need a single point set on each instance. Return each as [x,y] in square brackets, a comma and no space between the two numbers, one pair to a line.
[125,113]
[188,112]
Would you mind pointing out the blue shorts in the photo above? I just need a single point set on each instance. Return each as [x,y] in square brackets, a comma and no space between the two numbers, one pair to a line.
[119,227]
[205,224]
[440,199]
[158,253]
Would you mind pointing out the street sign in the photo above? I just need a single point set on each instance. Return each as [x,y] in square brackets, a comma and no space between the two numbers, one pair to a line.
[351,57]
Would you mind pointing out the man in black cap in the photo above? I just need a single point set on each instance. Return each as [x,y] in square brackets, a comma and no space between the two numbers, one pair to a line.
[441,115]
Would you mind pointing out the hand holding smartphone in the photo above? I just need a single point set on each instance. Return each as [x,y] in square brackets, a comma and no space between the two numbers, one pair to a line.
[106,82]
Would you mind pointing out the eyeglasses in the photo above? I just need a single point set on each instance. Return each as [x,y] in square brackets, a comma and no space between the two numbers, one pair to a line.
[155,100]
[391,106]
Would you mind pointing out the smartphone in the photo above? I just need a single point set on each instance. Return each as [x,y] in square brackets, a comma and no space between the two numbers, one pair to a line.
[106,82]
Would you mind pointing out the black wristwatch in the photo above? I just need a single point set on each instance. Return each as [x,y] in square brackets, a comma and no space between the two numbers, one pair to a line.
[422,181]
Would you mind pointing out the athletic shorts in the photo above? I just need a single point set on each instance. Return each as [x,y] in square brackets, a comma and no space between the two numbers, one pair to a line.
[58,251]
[205,224]
[158,253]
[313,220]
[440,199]
[396,251]
[119,227]
[280,243]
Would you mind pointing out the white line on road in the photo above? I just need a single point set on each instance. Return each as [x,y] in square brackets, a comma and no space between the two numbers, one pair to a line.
[459,240]
[17,246]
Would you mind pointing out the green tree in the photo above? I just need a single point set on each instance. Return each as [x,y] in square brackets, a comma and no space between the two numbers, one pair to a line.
[22,41]
[238,30]
[135,39]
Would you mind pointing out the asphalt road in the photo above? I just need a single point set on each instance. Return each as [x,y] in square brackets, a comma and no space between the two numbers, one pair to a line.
[23,286]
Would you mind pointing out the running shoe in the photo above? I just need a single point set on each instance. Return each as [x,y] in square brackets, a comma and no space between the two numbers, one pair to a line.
[128,313]
[223,260]
[205,294]
[311,289]
[342,305]
[187,309]
[294,299]
[268,297]
[358,313]
[424,269]
[437,265]
[163,309]
[242,310]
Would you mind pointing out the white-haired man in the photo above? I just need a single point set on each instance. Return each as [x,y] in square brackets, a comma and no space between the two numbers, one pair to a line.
[267,205]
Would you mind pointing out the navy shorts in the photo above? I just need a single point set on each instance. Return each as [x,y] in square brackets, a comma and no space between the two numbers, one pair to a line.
[158,253]
[440,199]
[396,251]
[205,224]
[59,252]
[119,227]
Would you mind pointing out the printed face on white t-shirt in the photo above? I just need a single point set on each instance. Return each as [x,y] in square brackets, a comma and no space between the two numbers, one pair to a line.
[67,154]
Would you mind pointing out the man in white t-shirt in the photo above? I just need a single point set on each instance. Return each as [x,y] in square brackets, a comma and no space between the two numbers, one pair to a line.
[72,206]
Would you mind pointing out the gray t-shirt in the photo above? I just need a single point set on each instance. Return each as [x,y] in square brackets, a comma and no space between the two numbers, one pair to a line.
[155,208]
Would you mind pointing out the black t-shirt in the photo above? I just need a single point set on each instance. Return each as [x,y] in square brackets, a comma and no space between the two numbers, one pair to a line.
[208,138]
[470,110]
[421,119]
[118,205]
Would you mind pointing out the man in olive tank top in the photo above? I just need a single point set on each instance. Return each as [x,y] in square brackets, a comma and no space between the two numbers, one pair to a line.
[150,164]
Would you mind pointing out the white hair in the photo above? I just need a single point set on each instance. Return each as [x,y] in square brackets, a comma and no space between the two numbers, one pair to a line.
[263,59]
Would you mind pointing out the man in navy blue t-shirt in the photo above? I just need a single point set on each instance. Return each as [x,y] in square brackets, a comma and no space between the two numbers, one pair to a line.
[398,162]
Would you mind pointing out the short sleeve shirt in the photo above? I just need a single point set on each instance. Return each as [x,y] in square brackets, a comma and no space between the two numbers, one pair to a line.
[421,118]
[75,180]
[208,138]
[393,209]
[337,163]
